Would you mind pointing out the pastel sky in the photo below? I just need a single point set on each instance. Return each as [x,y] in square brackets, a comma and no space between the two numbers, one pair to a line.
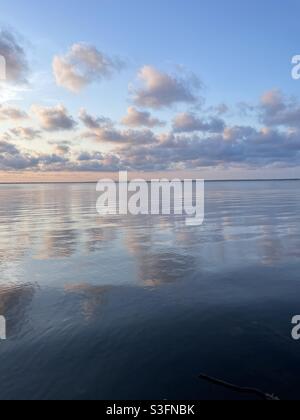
[195,86]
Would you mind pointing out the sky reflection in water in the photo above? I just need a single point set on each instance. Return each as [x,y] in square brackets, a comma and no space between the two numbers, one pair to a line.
[136,307]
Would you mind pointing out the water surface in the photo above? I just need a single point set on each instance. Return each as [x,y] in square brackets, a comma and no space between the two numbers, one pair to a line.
[136,307]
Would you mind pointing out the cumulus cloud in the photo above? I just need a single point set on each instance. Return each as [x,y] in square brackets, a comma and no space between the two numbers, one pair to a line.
[115,136]
[52,161]
[189,122]
[92,122]
[193,143]
[244,146]
[103,130]
[240,146]
[14,159]
[238,133]
[136,118]
[8,148]
[63,149]
[82,65]
[11,158]
[272,100]
[11,113]
[11,49]
[96,161]
[163,90]
[54,119]
[278,110]
[25,133]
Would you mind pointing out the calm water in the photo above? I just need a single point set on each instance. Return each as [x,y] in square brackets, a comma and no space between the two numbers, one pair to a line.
[136,307]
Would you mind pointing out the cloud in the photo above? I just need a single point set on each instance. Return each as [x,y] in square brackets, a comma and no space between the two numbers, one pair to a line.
[238,133]
[221,109]
[189,122]
[103,130]
[96,162]
[8,148]
[14,159]
[17,67]
[82,65]
[238,146]
[277,110]
[113,135]
[11,113]
[163,90]
[52,161]
[86,156]
[136,118]
[93,122]
[25,133]
[193,143]
[246,109]
[54,119]
[63,149]
[272,100]
[11,158]
[106,163]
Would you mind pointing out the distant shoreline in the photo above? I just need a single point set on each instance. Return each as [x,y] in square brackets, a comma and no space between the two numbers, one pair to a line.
[95,182]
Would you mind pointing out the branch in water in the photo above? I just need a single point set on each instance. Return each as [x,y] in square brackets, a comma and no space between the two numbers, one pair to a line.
[249,391]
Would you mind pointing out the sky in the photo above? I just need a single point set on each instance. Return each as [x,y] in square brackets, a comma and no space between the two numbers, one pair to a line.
[156,86]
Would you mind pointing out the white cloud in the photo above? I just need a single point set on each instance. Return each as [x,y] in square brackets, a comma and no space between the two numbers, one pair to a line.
[11,113]
[113,135]
[279,110]
[163,90]
[189,122]
[11,49]
[54,119]
[83,65]
[93,122]
[25,133]
[136,118]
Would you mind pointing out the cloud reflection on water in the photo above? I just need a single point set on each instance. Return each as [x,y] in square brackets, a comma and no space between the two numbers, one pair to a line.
[52,235]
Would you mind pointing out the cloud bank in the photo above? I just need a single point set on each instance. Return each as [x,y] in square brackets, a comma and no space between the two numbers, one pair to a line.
[139,140]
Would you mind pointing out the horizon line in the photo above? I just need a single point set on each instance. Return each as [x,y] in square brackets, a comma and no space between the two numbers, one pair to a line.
[95,182]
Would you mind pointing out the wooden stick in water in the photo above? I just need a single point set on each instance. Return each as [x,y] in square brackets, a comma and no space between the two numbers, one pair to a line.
[249,391]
